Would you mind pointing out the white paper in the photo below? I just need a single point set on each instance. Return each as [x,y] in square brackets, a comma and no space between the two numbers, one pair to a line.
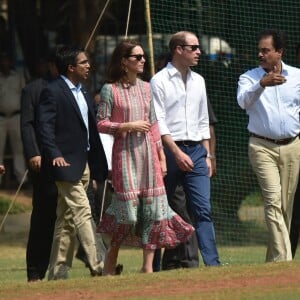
[107,142]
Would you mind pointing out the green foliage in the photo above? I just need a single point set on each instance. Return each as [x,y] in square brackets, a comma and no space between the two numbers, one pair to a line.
[254,199]
[17,207]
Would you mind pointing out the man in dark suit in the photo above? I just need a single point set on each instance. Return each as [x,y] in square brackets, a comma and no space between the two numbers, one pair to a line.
[72,150]
[44,195]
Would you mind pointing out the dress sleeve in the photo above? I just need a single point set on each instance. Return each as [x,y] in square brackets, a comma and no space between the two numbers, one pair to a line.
[105,108]
[154,128]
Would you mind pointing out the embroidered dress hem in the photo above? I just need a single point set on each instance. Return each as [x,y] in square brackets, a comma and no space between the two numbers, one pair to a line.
[163,234]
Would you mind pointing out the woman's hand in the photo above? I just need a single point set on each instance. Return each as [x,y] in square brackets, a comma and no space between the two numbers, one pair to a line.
[163,167]
[136,126]
[140,126]
[163,163]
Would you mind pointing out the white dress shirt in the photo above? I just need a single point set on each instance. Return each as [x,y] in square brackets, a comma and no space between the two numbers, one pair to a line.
[181,109]
[78,95]
[273,111]
[76,90]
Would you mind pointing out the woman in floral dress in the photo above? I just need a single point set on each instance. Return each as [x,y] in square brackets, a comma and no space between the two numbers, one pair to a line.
[139,214]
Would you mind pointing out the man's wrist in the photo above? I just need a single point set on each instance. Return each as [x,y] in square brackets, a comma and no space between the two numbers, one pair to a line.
[261,84]
[211,156]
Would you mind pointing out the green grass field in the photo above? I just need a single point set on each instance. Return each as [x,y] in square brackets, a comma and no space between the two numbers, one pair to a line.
[235,280]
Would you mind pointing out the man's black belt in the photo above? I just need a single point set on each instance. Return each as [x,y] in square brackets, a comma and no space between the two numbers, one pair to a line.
[277,142]
[14,113]
[187,143]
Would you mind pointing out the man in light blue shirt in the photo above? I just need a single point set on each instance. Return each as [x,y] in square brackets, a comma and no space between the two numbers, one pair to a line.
[295,223]
[270,94]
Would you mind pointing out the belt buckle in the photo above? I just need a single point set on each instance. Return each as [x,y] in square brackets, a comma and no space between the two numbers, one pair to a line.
[184,144]
[277,142]
[283,141]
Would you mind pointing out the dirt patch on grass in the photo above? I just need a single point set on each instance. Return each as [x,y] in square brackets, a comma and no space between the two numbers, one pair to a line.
[253,282]
[185,290]
[23,197]
[19,213]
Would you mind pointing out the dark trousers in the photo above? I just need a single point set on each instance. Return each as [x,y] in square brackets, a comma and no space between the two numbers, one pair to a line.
[196,185]
[295,223]
[184,255]
[43,216]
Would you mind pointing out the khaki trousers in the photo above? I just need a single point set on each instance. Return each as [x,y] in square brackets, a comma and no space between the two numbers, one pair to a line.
[277,170]
[73,217]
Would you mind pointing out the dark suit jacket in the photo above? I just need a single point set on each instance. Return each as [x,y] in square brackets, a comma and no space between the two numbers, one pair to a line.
[29,101]
[62,132]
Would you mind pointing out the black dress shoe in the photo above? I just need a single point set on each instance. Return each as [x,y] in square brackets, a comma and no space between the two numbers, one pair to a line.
[33,275]
[172,267]
[119,269]
[83,258]
[34,280]
[94,273]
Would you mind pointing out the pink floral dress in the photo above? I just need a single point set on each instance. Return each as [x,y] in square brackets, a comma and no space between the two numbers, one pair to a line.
[139,214]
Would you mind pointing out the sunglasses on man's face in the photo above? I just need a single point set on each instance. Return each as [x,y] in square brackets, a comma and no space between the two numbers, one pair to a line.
[138,57]
[192,47]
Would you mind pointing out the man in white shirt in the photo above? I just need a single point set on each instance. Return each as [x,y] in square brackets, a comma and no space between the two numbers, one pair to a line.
[295,223]
[270,94]
[181,107]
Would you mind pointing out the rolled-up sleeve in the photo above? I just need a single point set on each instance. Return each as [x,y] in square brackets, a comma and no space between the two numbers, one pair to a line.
[249,91]
[159,105]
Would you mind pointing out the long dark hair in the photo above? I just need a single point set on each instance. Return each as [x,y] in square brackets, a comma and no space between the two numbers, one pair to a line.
[115,70]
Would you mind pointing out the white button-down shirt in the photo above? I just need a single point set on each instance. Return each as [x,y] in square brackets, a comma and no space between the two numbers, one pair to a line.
[181,109]
[273,111]
[76,91]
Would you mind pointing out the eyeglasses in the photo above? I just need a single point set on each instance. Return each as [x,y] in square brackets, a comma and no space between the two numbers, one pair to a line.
[193,47]
[138,57]
[83,62]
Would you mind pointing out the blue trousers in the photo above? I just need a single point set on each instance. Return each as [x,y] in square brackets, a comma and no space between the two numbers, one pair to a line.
[196,185]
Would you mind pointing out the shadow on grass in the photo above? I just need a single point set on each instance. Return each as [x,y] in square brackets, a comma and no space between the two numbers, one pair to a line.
[17,239]
[244,233]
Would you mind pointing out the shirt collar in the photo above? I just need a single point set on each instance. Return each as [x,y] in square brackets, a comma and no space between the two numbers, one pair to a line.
[172,70]
[284,69]
[70,84]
